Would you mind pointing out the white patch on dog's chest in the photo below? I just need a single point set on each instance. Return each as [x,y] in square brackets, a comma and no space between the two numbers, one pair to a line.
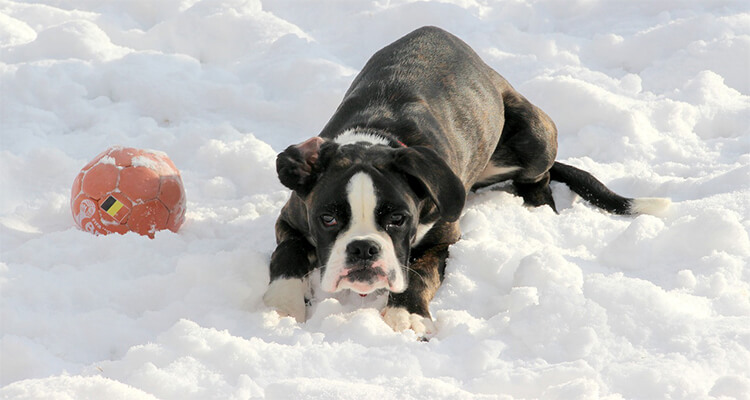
[353,136]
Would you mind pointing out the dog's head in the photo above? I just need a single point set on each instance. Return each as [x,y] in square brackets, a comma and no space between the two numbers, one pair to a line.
[364,203]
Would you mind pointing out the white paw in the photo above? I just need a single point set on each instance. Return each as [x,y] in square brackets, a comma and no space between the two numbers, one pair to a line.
[400,320]
[287,297]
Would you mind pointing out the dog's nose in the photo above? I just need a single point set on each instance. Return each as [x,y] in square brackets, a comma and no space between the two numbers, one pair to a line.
[362,250]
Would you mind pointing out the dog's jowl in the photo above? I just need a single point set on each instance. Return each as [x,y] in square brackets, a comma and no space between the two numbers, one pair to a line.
[377,195]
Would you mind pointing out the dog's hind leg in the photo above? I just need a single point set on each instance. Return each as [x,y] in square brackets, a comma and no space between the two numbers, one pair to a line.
[526,151]
[529,141]
[537,193]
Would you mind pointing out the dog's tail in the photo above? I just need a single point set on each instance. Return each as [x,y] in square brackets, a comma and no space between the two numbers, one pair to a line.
[588,187]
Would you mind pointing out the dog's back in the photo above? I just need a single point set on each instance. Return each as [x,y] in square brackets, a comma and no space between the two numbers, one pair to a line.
[430,89]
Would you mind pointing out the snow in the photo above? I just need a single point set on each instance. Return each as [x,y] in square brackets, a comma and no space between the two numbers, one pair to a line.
[651,97]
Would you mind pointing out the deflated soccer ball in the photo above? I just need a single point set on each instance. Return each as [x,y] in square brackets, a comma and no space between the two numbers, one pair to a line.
[125,189]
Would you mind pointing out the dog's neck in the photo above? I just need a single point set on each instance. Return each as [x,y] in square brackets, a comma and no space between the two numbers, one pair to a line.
[368,135]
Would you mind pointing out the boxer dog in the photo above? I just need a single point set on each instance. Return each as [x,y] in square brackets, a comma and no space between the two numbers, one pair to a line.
[377,195]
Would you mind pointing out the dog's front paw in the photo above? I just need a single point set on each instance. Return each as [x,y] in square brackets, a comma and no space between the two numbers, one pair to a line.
[287,297]
[400,320]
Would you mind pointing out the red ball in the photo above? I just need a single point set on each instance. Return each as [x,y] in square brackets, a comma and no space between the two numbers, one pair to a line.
[125,189]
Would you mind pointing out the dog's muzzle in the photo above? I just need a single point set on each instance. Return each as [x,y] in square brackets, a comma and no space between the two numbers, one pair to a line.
[364,271]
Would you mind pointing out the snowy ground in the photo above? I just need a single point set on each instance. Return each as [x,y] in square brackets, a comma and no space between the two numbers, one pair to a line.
[653,97]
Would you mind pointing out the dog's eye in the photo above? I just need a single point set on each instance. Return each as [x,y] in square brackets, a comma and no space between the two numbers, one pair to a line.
[328,220]
[396,219]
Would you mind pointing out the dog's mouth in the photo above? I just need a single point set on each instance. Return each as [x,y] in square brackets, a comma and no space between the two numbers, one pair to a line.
[364,279]
[364,273]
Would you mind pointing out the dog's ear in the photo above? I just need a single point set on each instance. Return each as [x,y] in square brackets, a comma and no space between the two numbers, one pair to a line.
[429,176]
[297,166]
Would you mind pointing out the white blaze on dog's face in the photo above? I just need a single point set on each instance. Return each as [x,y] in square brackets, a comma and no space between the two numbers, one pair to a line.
[363,257]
